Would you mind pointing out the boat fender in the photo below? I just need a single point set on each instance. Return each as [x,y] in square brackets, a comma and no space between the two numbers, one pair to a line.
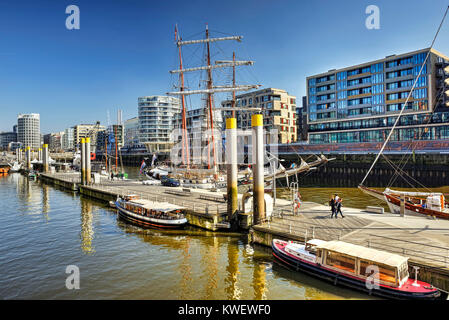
[336,280]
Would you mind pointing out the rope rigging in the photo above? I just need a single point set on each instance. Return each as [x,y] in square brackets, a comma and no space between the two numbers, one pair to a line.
[408,98]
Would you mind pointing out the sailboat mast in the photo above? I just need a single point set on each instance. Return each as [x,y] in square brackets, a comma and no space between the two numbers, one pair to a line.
[185,142]
[210,100]
[106,151]
[116,153]
[233,84]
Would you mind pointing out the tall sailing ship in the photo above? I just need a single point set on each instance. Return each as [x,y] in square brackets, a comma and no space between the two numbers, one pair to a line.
[205,171]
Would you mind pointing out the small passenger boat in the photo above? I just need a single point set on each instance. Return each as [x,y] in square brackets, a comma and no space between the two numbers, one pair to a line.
[150,214]
[352,266]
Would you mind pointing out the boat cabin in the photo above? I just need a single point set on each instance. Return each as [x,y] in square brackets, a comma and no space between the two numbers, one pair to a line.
[361,261]
[131,197]
[147,208]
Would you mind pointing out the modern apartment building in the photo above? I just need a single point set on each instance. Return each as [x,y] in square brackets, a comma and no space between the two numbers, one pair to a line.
[360,103]
[86,130]
[7,137]
[28,130]
[278,109]
[68,139]
[131,131]
[157,118]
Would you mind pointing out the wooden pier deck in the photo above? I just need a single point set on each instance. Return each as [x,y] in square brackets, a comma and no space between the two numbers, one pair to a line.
[204,209]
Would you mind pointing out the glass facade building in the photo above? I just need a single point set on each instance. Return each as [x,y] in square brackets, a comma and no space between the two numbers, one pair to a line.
[360,103]
[157,118]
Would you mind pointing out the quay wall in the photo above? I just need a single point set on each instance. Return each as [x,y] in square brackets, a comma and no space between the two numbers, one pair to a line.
[70,185]
[348,170]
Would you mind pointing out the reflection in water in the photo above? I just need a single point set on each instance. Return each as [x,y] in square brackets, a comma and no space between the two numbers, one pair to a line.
[45,200]
[87,231]
[160,264]
[233,292]
[259,281]
[210,266]
[186,272]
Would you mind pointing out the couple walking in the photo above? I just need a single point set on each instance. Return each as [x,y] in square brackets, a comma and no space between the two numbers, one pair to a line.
[335,204]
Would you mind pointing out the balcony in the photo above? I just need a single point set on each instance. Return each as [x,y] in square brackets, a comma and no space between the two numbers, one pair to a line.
[360,75]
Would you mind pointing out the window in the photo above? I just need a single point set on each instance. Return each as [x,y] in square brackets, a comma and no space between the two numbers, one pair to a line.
[378,88]
[342,95]
[420,93]
[375,68]
[341,75]
[378,99]
[377,78]
[339,261]
[312,82]
[366,69]
[391,64]
[341,85]
[416,70]
[419,58]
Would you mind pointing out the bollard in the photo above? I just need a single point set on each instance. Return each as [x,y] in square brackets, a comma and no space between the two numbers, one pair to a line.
[87,159]
[45,157]
[28,158]
[83,164]
[258,166]
[231,164]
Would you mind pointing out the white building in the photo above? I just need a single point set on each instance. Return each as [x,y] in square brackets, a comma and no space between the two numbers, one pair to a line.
[68,139]
[28,130]
[132,131]
[157,119]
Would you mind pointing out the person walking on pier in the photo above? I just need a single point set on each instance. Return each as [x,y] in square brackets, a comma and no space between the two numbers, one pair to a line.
[338,209]
[333,208]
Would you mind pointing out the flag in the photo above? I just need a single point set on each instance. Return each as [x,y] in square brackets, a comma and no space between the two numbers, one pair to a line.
[154,159]
[142,165]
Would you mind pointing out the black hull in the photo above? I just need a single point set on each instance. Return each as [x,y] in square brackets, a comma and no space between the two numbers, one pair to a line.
[146,224]
[342,280]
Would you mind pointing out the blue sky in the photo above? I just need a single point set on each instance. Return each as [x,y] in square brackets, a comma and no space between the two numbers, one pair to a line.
[125,48]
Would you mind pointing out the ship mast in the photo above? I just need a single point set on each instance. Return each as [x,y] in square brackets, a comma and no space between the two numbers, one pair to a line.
[209,90]
[185,142]
[210,104]
[233,84]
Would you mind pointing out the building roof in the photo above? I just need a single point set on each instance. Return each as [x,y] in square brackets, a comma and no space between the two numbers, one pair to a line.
[377,256]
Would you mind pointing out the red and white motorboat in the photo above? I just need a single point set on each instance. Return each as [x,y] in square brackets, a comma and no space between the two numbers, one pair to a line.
[352,266]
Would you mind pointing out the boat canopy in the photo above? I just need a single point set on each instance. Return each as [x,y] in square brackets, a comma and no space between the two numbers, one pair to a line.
[157,206]
[377,256]
[413,194]
[316,242]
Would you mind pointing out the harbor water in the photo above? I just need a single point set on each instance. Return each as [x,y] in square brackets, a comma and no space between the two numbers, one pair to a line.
[45,229]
